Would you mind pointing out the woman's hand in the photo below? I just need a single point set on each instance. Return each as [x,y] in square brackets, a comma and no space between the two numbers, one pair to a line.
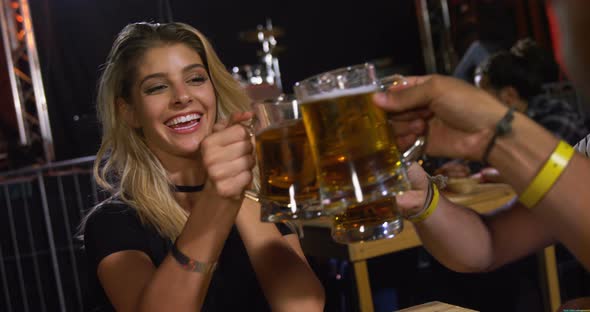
[227,156]
[458,119]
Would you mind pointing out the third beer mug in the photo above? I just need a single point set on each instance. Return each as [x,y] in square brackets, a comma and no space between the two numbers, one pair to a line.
[360,169]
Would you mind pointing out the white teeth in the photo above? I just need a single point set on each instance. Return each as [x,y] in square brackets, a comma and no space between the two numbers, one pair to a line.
[182,119]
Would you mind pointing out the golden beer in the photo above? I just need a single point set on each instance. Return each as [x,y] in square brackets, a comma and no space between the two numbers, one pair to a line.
[288,184]
[358,163]
[354,148]
[376,220]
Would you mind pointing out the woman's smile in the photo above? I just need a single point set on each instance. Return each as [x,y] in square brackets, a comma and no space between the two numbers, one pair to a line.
[185,123]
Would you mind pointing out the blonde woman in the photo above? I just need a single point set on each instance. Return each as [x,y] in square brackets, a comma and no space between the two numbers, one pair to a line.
[177,235]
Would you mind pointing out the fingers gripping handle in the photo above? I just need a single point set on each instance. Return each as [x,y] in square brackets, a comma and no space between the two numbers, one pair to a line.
[387,84]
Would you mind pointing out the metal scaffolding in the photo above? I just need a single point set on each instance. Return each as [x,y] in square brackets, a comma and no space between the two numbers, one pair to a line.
[24,71]
[434,24]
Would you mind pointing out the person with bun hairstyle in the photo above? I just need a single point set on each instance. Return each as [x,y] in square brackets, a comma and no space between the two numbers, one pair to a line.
[516,78]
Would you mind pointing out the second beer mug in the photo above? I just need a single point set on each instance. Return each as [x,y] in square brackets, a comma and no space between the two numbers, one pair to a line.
[288,185]
[360,169]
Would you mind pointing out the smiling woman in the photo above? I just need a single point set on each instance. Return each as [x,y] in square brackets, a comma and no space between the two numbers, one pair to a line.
[176,233]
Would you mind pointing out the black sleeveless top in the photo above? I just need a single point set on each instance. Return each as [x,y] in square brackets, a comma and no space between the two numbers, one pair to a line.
[116,227]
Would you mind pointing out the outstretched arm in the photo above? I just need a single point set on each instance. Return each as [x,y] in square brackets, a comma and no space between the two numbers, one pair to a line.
[460,121]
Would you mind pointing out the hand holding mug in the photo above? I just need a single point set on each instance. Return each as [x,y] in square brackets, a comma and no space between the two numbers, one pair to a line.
[227,156]
[458,119]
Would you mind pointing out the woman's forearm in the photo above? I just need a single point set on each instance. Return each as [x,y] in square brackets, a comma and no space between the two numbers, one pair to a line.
[173,288]
[288,283]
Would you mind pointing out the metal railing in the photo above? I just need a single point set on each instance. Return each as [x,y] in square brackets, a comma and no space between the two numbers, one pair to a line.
[41,259]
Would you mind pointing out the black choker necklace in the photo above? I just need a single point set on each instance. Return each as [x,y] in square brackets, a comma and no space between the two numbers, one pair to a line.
[188,188]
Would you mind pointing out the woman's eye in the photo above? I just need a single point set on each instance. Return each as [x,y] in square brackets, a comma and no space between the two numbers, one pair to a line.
[197,79]
[154,89]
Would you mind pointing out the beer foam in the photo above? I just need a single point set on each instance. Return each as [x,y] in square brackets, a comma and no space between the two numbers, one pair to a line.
[340,93]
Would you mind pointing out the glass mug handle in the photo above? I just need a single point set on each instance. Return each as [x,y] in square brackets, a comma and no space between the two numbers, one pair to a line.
[294,225]
[414,152]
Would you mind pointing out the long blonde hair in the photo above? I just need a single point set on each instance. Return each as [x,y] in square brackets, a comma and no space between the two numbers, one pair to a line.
[124,165]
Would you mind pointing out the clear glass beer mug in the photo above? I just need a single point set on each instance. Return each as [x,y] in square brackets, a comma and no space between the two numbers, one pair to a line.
[288,181]
[360,169]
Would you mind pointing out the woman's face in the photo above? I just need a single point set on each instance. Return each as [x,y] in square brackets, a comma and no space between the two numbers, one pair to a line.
[173,100]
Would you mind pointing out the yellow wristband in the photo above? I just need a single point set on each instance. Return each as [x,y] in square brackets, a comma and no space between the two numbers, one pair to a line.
[428,211]
[550,172]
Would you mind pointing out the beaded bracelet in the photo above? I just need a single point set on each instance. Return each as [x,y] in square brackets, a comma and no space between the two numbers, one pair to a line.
[551,171]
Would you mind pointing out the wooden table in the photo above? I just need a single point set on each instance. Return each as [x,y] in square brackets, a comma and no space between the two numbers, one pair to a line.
[485,198]
[436,306]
